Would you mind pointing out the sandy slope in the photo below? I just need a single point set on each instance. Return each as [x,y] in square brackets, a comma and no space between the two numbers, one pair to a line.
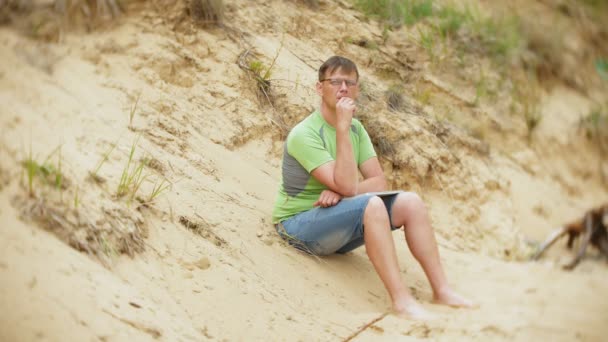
[198,116]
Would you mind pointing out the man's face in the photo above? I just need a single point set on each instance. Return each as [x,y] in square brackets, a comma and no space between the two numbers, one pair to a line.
[337,85]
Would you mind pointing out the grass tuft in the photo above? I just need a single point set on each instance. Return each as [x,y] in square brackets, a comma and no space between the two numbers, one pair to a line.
[601,66]
[94,174]
[261,74]
[132,176]
[426,39]
[595,125]
[451,20]
[159,187]
[396,12]
[133,110]
[394,97]
[207,12]
[314,4]
[448,24]
[44,171]
[526,99]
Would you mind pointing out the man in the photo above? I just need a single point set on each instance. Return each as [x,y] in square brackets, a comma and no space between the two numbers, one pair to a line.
[323,208]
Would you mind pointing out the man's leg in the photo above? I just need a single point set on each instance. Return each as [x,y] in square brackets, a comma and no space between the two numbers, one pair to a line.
[381,251]
[409,211]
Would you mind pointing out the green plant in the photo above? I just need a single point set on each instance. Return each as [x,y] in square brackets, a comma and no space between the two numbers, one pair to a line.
[31,168]
[499,37]
[601,66]
[385,33]
[45,171]
[106,155]
[426,39]
[59,175]
[132,176]
[451,20]
[159,187]
[595,123]
[423,96]
[76,198]
[132,111]
[396,12]
[260,70]
[418,10]
[261,73]
[482,88]
[107,248]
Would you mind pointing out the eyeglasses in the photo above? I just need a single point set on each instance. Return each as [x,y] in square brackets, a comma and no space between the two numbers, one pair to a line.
[336,82]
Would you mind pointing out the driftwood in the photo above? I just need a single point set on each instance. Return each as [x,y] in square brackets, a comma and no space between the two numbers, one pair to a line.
[592,228]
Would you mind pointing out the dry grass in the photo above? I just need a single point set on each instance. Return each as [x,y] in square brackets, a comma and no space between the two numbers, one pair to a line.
[385,146]
[4,178]
[595,126]
[207,12]
[314,4]
[394,97]
[48,20]
[102,230]
[114,231]
[11,9]
[261,74]
[545,57]
[525,102]
[94,9]
[204,229]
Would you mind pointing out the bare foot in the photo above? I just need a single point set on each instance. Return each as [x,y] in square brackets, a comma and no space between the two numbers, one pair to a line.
[412,310]
[453,299]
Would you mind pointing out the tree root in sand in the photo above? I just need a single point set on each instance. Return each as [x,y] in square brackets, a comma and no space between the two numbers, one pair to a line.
[364,327]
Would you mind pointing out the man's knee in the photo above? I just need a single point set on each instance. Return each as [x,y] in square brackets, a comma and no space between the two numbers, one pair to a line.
[411,202]
[375,207]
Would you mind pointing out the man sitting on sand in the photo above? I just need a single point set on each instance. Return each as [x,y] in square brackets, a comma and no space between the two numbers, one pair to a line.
[323,208]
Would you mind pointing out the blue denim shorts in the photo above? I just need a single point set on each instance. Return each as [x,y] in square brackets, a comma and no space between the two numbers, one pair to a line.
[336,229]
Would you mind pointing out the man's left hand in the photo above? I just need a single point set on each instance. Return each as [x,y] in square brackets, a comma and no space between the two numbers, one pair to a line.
[328,198]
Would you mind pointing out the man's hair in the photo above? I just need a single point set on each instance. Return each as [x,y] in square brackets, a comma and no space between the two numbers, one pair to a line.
[337,62]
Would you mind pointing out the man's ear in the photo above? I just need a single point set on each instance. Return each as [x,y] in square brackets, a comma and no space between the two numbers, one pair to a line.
[319,88]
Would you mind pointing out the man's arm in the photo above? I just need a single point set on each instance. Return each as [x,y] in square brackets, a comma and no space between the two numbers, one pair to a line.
[327,174]
[373,177]
[341,175]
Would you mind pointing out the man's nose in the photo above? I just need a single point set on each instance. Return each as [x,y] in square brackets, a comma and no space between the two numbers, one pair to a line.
[343,86]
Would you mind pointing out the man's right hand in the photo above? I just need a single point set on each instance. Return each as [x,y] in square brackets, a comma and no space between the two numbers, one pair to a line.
[328,198]
[345,109]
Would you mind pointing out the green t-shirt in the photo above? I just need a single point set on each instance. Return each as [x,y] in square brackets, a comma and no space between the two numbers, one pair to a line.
[310,144]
